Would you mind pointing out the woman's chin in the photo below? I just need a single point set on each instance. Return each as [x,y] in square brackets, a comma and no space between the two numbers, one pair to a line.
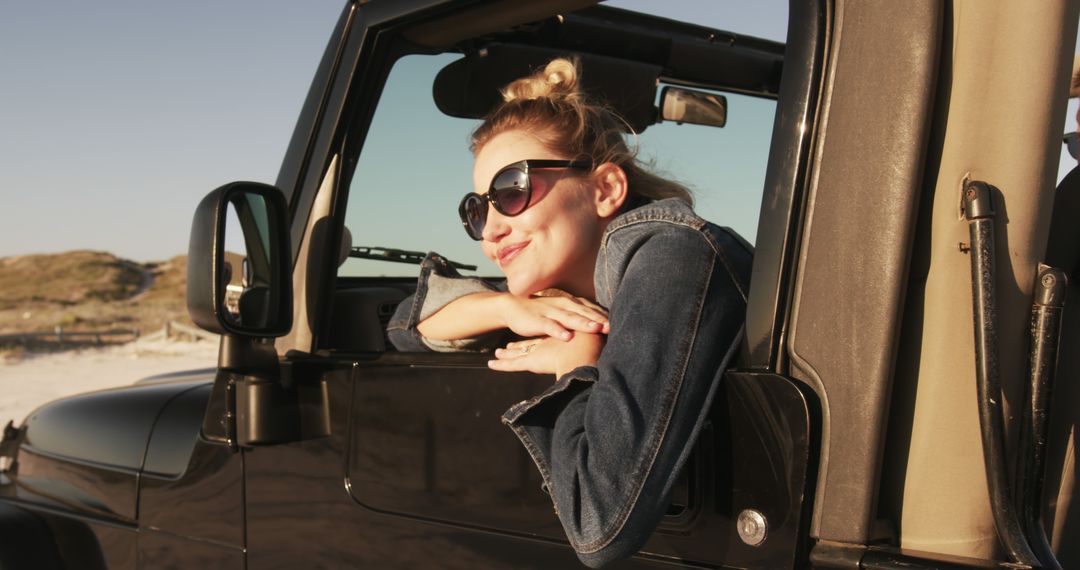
[520,292]
[522,287]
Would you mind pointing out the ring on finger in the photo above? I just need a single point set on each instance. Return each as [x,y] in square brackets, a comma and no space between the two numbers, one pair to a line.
[527,348]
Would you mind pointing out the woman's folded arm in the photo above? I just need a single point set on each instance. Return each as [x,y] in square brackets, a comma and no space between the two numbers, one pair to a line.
[610,440]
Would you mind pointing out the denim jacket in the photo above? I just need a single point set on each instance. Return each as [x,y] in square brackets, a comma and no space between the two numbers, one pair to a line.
[610,440]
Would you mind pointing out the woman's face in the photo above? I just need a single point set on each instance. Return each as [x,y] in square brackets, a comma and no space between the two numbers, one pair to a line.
[554,242]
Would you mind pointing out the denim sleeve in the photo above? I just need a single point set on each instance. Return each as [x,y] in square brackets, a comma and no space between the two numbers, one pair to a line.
[439,284]
[610,440]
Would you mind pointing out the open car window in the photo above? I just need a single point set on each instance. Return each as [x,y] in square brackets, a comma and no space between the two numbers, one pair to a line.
[415,167]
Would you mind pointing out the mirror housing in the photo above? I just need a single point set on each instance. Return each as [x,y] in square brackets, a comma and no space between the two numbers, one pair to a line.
[695,107]
[294,408]
[247,294]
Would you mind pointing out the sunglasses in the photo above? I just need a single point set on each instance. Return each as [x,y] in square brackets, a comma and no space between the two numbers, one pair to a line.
[1072,143]
[510,193]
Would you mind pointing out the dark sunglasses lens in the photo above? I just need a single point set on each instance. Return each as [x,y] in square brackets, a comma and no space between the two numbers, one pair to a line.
[1072,143]
[510,191]
[474,210]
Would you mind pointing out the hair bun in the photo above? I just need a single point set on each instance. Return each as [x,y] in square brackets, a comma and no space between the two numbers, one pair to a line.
[558,80]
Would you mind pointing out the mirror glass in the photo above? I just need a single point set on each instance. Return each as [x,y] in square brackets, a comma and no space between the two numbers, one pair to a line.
[249,264]
[696,107]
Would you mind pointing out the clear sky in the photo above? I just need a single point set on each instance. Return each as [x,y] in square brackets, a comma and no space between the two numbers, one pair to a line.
[117,116]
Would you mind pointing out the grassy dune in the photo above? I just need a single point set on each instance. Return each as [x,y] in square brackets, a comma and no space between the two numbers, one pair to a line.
[90,291]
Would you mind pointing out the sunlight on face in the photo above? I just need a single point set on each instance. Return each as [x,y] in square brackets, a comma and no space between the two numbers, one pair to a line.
[554,242]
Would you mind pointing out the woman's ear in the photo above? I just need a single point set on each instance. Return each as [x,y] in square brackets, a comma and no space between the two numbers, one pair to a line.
[611,189]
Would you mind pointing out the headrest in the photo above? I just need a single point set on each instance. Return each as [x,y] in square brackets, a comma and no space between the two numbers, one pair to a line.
[346,245]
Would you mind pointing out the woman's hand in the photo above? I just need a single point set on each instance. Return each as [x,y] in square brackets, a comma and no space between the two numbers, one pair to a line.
[556,316]
[549,355]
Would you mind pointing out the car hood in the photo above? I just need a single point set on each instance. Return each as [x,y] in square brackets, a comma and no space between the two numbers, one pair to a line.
[109,428]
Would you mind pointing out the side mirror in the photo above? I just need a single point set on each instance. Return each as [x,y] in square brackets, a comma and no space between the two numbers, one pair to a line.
[686,106]
[238,277]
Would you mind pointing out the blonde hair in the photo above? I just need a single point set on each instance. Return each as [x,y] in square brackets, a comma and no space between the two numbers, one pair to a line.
[549,105]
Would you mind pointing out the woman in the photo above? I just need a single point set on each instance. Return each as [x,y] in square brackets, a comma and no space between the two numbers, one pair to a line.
[633,302]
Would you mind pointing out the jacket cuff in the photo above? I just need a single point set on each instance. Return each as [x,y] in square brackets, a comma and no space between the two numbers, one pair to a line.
[533,420]
[438,285]
[572,382]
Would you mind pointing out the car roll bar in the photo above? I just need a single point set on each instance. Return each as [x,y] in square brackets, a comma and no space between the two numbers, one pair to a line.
[979,212]
[1051,286]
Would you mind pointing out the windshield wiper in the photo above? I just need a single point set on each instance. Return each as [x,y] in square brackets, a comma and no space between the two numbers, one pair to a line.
[398,256]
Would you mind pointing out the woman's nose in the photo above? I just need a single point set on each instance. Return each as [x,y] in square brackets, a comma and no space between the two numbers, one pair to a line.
[496,227]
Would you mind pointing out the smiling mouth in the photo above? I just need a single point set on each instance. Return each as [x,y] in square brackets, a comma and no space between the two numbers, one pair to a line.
[508,253]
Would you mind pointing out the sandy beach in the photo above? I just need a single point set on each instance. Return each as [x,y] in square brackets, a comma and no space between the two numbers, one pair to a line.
[40,378]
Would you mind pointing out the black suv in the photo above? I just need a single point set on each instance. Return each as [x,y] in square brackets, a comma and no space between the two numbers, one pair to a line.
[882,414]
